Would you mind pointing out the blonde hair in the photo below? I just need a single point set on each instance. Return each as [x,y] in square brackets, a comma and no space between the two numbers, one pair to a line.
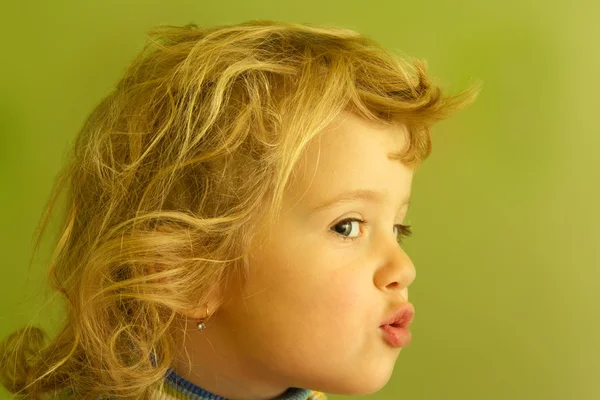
[174,171]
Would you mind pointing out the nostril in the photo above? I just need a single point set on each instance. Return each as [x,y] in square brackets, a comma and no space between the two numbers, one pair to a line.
[393,285]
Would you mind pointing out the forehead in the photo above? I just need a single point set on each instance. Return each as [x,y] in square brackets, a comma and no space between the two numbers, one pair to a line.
[352,154]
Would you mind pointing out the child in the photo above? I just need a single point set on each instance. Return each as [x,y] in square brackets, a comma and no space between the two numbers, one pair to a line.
[234,220]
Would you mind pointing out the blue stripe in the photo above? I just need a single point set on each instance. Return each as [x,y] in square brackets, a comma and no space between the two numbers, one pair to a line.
[195,392]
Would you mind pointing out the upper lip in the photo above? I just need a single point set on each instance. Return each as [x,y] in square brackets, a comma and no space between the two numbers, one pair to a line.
[401,317]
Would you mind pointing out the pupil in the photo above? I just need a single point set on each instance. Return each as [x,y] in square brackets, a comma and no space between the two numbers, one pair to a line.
[342,230]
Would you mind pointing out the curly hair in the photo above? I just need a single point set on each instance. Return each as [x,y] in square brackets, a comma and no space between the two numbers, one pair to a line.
[173,171]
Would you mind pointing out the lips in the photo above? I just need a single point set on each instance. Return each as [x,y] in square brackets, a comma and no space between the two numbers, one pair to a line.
[402,317]
[395,327]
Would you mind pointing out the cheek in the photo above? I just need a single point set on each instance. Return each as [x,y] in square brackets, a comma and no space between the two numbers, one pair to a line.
[341,296]
[347,289]
[336,285]
[337,290]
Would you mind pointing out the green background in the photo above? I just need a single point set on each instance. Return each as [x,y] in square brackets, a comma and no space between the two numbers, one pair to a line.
[504,212]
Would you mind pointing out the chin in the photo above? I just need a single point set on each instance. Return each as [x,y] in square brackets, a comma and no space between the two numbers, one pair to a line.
[362,381]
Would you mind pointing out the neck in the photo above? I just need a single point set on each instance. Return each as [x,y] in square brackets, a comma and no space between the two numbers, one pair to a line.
[217,368]
[182,386]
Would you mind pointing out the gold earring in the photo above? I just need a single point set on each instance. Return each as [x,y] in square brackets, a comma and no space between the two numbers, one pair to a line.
[201,324]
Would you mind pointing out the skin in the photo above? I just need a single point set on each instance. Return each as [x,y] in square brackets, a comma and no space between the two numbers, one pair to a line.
[310,313]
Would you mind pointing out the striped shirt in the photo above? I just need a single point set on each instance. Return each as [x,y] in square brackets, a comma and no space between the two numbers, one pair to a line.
[177,387]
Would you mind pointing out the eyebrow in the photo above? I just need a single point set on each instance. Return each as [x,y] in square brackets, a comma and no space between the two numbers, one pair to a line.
[354,195]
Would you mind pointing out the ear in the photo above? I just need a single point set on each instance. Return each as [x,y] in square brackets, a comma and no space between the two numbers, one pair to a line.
[218,295]
[208,308]
[195,313]
[199,313]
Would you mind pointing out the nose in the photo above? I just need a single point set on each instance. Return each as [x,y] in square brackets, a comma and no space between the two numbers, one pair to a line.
[404,293]
[395,271]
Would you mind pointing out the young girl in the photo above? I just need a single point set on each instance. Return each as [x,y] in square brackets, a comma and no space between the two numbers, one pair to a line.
[233,221]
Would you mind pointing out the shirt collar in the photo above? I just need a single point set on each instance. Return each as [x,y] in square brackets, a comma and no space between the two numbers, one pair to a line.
[194,392]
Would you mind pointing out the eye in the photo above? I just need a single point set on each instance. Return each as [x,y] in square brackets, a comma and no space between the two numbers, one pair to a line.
[405,231]
[345,227]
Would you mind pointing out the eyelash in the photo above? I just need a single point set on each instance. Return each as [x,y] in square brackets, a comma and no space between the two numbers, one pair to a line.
[405,230]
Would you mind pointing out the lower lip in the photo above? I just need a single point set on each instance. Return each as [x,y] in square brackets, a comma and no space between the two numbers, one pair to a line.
[396,336]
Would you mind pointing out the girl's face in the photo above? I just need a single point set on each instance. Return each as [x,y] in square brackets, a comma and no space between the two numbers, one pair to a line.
[311,312]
